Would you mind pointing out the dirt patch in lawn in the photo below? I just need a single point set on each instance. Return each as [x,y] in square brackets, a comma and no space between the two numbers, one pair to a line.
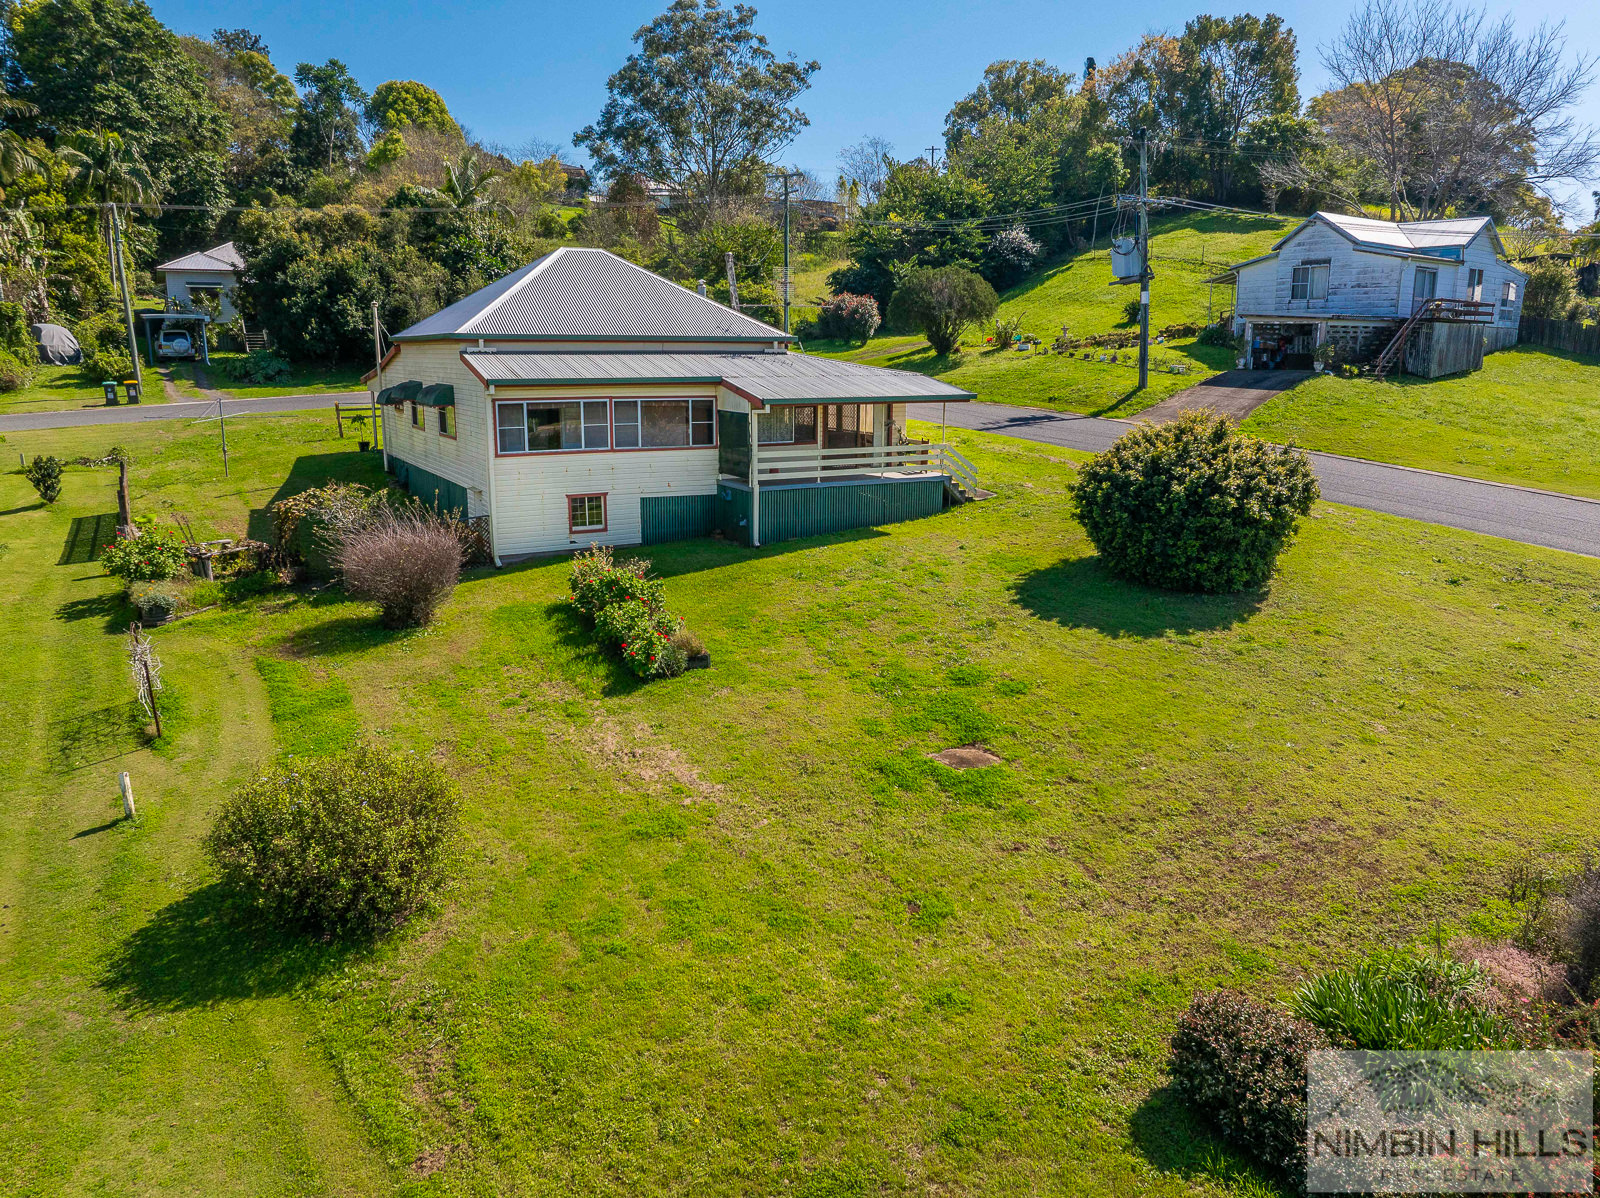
[967,757]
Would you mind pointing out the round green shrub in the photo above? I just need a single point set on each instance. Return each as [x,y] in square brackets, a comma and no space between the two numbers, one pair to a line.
[258,366]
[1193,505]
[1243,1064]
[45,475]
[155,555]
[848,317]
[940,302]
[348,845]
[643,636]
[598,580]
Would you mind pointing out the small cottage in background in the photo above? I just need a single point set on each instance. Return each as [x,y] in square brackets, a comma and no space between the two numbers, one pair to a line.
[583,399]
[212,273]
[1432,296]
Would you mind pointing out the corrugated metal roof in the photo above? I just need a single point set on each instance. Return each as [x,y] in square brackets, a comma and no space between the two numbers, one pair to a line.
[1410,236]
[218,257]
[774,377]
[577,293]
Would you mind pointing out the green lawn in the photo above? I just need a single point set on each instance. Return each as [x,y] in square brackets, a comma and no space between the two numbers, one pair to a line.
[1077,292]
[59,387]
[734,933]
[303,380]
[1530,416]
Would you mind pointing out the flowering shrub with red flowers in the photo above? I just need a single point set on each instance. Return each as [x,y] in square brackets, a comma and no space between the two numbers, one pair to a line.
[598,581]
[643,635]
[155,555]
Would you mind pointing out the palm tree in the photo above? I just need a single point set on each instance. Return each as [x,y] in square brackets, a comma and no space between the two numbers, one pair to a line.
[468,184]
[16,159]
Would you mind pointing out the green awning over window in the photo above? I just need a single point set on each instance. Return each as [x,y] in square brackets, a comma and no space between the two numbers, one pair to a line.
[438,395]
[400,392]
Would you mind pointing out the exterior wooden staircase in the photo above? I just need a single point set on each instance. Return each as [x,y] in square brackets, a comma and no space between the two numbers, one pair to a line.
[1451,310]
[253,338]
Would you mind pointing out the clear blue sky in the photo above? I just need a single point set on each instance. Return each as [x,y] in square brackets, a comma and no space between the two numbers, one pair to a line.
[514,71]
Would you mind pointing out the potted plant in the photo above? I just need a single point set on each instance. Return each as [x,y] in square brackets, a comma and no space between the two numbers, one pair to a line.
[157,602]
[1241,351]
[359,423]
[1324,356]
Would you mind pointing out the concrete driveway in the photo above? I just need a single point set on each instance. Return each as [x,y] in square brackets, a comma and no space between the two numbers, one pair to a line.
[1515,513]
[1234,393]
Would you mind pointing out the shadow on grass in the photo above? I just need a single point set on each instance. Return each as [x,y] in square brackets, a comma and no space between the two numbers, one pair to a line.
[344,634]
[208,948]
[575,635]
[87,537]
[113,608]
[1081,593]
[95,737]
[1166,1131]
[316,470]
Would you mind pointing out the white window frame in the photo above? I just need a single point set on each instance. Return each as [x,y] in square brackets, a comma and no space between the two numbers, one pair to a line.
[594,425]
[600,497]
[1308,283]
[627,418]
[1475,283]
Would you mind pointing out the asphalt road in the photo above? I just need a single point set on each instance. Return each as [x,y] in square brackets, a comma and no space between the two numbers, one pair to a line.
[188,410]
[1516,513]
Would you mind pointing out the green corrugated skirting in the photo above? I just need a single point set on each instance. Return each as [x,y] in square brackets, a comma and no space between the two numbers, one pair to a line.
[429,487]
[676,517]
[789,512]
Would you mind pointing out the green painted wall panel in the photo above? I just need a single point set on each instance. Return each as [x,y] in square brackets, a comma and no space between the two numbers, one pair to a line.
[676,517]
[429,487]
[789,512]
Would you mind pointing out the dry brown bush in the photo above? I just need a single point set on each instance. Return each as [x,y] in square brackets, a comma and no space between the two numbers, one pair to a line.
[406,561]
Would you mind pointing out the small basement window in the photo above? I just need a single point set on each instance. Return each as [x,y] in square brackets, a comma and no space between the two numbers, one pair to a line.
[586,513]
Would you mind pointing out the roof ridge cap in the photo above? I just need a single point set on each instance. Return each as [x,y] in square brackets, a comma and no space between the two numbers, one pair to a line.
[537,265]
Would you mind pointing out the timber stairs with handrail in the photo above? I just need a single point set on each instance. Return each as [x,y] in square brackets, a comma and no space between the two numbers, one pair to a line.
[1450,311]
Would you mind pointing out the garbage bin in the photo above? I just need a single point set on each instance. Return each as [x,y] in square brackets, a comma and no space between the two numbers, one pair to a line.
[131,387]
[110,389]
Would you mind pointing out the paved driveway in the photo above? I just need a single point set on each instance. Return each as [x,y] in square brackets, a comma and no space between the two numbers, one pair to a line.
[1516,513]
[1234,393]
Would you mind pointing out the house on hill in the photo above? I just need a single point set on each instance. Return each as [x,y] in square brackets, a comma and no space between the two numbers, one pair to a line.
[1442,287]
[584,399]
[213,273]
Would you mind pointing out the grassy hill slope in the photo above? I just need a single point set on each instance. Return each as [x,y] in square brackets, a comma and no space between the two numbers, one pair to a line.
[1076,291]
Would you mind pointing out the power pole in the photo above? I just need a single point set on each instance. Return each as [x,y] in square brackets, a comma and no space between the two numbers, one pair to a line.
[1144,259]
[127,301]
[786,282]
[933,158]
[733,281]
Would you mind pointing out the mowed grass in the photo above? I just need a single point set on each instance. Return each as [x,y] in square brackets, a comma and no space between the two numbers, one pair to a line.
[1531,416]
[303,379]
[54,388]
[735,933]
[1077,292]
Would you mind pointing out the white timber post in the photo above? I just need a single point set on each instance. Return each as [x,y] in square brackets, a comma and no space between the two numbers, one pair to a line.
[492,422]
[755,478]
[125,784]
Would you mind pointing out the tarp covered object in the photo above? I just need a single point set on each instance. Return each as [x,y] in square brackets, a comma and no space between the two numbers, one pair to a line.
[56,345]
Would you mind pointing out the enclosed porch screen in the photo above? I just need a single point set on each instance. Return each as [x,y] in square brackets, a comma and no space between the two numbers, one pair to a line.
[664,423]
[543,427]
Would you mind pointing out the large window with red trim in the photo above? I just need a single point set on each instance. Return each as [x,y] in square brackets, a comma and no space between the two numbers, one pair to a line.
[541,426]
[664,423]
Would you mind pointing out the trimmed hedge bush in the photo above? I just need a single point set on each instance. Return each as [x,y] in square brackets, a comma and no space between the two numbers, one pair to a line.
[45,475]
[1193,505]
[348,845]
[1244,1065]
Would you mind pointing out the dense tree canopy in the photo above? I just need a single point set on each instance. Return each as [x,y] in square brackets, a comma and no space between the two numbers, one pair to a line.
[701,98]
[406,104]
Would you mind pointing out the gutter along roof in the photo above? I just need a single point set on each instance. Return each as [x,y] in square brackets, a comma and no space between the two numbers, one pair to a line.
[775,377]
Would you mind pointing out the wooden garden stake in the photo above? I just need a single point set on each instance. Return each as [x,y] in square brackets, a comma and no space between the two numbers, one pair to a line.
[126,783]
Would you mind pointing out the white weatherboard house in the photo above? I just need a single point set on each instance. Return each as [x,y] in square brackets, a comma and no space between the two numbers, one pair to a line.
[214,272]
[583,399]
[1356,281]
